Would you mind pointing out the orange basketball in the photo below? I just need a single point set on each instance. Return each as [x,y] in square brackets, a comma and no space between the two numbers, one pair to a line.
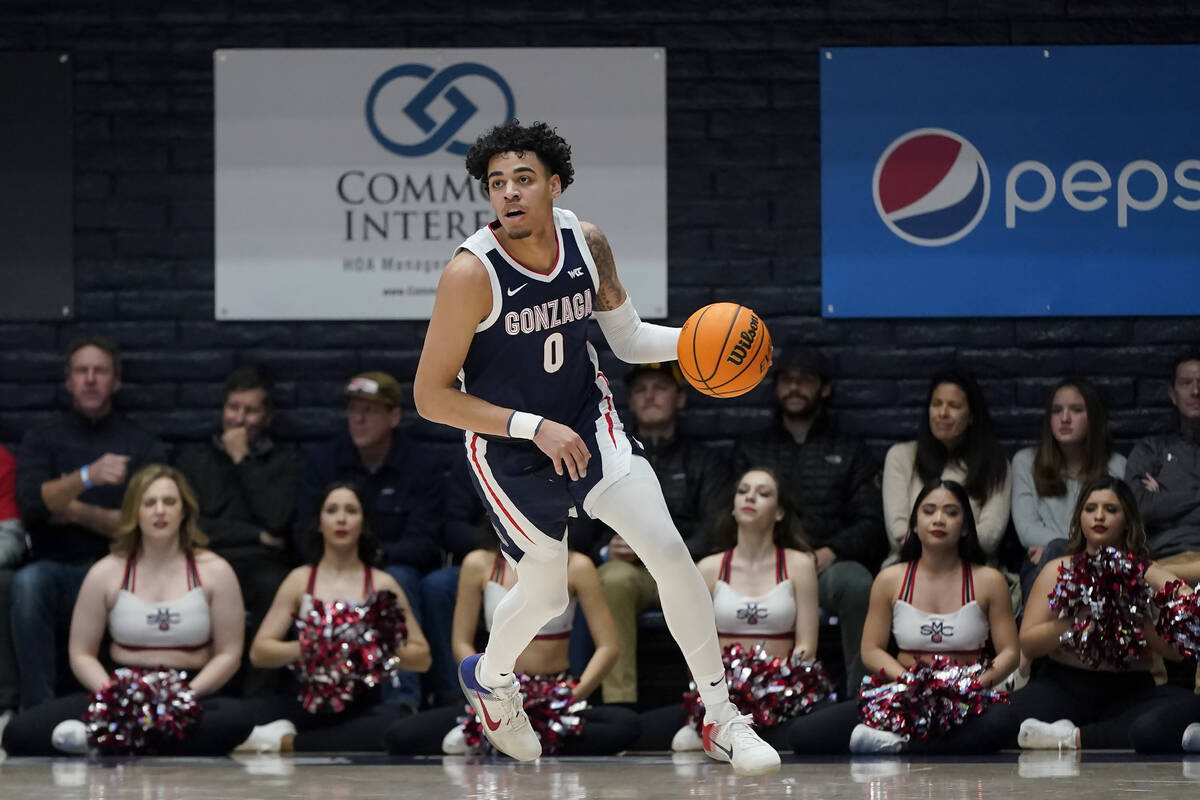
[724,350]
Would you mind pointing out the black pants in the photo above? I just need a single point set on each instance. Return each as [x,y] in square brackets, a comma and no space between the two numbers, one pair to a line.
[259,571]
[224,724]
[827,730]
[606,730]
[659,726]
[359,727]
[1113,710]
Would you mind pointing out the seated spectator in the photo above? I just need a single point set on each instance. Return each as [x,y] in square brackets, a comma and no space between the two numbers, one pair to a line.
[693,479]
[401,487]
[1075,447]
[939,601]
[1164,473]
[245,482]
[484,581]
[71,476]
[167,604]
[954,442]
[342,570]
[835,485]
[764,588]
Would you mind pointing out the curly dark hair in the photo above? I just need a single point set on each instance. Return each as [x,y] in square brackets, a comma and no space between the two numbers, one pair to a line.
[511,137]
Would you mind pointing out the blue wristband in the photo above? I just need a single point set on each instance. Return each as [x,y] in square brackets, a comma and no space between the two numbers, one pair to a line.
[85,477]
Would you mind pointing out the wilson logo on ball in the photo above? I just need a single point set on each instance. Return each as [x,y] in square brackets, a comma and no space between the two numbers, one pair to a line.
[745,342]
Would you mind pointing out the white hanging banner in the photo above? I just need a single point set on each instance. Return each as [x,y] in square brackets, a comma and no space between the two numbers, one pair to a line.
[341,190]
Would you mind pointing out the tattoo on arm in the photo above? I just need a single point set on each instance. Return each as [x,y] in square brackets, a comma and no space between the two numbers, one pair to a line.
[611,293]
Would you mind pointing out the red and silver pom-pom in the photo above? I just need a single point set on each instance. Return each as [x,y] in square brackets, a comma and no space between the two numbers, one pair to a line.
[554,713]
[346,648]
[1107,599]
[141,711]
[929,699]
[1179,619]
[768,688]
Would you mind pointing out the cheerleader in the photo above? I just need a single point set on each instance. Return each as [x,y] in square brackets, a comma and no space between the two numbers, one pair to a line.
[938,602]
[319,717]
[174,613]
[764,589]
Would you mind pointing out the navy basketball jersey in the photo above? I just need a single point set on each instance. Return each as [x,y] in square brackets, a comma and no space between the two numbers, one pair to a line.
[532,352]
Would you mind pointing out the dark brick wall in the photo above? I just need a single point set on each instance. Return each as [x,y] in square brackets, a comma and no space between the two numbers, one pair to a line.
[744,181]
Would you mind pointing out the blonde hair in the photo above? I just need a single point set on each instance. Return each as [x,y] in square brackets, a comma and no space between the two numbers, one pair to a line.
[128,539]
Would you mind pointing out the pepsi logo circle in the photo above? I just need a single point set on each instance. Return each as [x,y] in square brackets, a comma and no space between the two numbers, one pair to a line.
[931,187]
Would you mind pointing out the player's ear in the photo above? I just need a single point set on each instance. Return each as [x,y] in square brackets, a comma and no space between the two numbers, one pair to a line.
[555,185]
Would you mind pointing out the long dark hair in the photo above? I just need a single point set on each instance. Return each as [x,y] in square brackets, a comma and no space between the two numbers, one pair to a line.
[1136,540]
[969,548]
[984,460]
[788,531]
[368,545]
[1049,464]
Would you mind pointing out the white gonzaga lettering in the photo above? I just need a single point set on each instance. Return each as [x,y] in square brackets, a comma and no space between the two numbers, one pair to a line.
[549,315]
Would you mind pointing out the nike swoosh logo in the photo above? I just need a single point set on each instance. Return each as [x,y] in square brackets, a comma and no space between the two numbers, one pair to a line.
[728,751]
[717,682]
[491,724]
[511,292]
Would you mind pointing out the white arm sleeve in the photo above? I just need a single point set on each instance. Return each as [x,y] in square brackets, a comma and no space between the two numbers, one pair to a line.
[634,341]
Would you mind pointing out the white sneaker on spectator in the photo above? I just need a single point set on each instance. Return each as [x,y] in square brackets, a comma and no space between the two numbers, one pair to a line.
[267,738]
[865,740]
[736,742]
[1191,738]
[70,736]
[454,743]
[1038,735]
[501,710]
[4,718]
[686,740]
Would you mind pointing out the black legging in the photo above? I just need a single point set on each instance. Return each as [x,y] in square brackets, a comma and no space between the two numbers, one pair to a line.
[660,725]
[1113,710]
[358,727]
[827,730]
[606,730]
[224,724]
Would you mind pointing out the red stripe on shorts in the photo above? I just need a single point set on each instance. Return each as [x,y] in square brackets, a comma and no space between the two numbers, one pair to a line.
[488,486]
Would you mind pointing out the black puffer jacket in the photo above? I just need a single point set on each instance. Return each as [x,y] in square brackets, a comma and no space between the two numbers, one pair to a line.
[834,482]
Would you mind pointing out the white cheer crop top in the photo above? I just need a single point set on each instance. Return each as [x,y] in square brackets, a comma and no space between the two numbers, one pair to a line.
[918,631]
[494,591]
[306,602]
[768,616]
[180,624]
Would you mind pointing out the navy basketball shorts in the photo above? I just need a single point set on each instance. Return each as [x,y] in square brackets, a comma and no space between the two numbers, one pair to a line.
[527,502]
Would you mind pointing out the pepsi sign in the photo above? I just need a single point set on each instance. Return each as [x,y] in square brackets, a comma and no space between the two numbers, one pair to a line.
[1095,205]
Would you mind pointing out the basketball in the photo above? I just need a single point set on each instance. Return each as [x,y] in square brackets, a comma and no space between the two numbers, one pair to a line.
[724,350]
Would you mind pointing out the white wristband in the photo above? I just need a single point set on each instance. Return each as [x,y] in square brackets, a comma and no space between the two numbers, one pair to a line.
[523,425]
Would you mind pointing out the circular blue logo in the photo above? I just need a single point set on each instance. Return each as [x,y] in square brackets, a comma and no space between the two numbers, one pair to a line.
[931,187]
[438,86]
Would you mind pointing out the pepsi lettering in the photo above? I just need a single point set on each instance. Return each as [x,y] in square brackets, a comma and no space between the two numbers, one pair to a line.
[1099,180]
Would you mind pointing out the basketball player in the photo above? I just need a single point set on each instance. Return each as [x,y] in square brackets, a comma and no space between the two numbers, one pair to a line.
[510,320]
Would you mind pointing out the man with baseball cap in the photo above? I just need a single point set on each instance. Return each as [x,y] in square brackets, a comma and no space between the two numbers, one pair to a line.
[400,483]
[834,483]
[693,480]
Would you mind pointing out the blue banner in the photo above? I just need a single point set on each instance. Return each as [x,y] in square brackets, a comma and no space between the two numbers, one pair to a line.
[1010,181]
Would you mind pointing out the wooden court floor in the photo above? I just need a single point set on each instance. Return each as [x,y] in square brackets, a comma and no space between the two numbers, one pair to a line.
[1028,775]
